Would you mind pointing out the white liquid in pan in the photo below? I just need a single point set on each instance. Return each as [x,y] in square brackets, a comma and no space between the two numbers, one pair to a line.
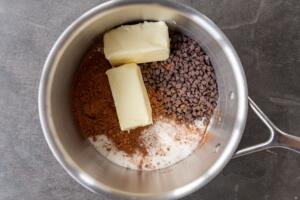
[167,143]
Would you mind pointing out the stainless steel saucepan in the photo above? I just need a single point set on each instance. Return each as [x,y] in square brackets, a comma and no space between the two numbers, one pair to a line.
[98,174]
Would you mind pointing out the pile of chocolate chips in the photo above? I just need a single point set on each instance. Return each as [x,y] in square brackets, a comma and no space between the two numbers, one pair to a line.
[185,84]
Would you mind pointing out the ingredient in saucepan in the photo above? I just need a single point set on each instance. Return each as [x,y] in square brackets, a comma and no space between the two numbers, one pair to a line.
[185,83]
[130,96]
[138,43]
[176,131]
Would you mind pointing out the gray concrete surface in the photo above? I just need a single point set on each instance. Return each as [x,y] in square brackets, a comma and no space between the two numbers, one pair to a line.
[266,35]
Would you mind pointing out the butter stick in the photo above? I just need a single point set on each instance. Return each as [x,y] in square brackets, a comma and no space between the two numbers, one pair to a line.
[130,96]
[139,43]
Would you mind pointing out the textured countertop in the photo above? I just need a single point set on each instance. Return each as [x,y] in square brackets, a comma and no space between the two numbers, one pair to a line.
[266,35]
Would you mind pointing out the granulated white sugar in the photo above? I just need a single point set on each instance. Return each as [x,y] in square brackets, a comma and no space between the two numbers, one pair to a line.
[167,143]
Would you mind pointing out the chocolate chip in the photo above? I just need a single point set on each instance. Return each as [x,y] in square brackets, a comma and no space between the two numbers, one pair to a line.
[186,80]
[207,60]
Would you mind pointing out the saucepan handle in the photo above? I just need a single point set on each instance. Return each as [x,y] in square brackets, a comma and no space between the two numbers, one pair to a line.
[277,137]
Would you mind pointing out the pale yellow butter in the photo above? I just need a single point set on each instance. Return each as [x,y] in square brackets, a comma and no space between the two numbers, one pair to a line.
[130,96]
[139,43]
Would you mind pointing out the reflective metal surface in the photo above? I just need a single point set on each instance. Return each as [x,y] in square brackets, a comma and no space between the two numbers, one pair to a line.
[91,169]
[277,137]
